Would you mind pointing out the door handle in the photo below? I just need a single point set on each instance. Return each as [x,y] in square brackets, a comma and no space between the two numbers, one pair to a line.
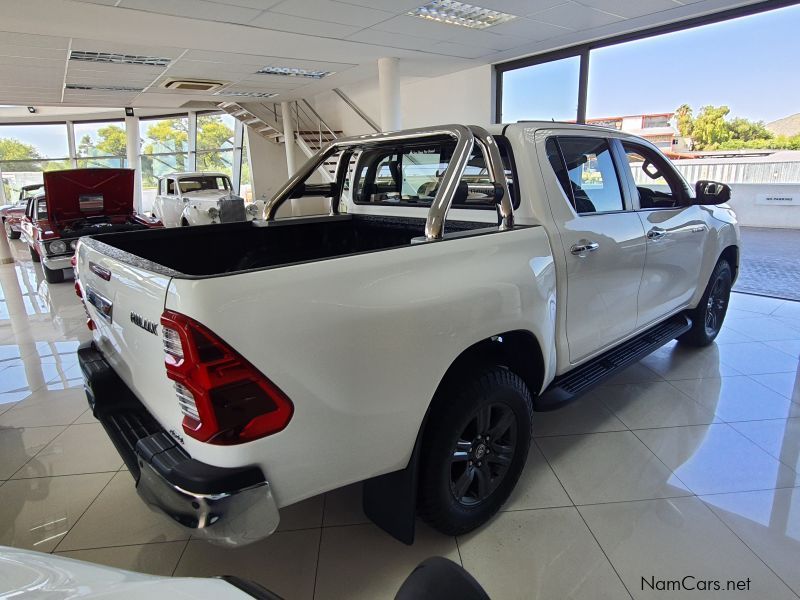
[579,249]
[656,234]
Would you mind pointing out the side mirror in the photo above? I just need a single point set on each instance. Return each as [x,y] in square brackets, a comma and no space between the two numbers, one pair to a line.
[711,193]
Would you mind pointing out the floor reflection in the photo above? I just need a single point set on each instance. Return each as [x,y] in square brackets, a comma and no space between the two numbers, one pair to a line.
[41,327]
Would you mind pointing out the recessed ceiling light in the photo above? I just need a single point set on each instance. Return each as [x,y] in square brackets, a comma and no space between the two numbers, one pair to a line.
[459,13]
[247,94]
[120,59]
[102,88]
[292,72]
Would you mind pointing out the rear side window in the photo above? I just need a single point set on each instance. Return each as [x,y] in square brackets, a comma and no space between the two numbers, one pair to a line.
[585,170]
[411,176]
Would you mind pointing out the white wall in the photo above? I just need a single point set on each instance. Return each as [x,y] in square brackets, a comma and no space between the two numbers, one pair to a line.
[745,197]
[463,97]
[268,161]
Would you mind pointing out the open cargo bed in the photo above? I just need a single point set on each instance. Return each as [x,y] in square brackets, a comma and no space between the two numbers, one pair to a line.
[208,250]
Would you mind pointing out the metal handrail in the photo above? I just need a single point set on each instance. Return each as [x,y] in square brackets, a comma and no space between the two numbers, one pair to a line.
[320,121]
[356,109]
[434,225]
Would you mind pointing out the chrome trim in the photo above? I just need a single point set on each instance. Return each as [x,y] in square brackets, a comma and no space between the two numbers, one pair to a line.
[434,226]
[233,518]
[104,306]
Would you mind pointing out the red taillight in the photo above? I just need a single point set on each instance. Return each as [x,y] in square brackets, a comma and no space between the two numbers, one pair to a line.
[224,399]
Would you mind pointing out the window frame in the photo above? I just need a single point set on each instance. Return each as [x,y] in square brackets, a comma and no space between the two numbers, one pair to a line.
[624,191]
[672,176]
[584,50]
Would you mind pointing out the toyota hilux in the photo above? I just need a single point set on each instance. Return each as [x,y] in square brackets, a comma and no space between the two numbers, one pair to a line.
[464,278]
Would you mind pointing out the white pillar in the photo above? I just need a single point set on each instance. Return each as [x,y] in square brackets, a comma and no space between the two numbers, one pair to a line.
[191,165]
[389,84]
[134,160]
[73,153]
[3,199]
[5,249]
[288,136]
[238,140]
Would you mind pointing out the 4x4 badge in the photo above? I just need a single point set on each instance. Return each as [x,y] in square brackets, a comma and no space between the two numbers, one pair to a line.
[140,321]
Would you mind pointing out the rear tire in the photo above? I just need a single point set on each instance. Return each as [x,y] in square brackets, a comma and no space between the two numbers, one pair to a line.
[708,316]
[475,445]
[10,233]
[53,275]
[35,255]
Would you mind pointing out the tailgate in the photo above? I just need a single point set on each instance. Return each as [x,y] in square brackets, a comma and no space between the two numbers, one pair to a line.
[130,337]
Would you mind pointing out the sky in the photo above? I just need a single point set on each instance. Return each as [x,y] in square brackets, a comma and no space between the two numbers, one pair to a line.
[51,140]
[749,64]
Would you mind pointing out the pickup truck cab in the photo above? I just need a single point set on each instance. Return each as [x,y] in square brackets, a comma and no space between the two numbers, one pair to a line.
[201,199]
[77,202]
[13,214]
[463,278]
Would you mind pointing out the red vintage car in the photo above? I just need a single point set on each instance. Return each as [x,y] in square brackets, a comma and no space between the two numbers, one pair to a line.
[12,214]
[76,203]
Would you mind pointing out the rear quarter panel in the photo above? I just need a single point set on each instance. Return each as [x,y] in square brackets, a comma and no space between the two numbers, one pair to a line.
[360,344]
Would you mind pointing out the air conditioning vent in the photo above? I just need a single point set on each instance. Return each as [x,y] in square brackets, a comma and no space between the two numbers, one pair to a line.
[192,85]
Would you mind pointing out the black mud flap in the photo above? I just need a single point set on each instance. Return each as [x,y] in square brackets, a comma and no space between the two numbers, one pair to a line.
[390,500]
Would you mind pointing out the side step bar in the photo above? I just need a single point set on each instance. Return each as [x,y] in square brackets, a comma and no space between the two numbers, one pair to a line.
[569,386]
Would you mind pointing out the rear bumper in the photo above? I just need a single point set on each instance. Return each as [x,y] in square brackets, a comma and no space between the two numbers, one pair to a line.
[226,506]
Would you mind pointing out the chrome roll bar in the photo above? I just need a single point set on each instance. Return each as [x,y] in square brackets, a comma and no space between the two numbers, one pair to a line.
[437,214]
[497,173]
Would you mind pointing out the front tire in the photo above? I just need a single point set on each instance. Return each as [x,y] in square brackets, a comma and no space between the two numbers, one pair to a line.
[708,316]
[10,233]
[53,275]
[474,448]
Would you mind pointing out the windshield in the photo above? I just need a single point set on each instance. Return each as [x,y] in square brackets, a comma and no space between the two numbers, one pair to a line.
[206,182]
[30,192]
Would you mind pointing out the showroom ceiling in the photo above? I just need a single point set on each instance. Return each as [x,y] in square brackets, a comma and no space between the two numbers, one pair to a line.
[228,41]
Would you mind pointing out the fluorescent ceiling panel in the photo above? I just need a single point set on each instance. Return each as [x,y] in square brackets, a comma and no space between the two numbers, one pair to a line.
[292,72]
[119,59]
[459,13]
[247,94]
[104,88]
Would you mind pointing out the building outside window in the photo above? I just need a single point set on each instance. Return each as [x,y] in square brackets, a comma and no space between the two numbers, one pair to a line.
[101,145]
[164,149]
[215,143]
[547,91]
[28,150]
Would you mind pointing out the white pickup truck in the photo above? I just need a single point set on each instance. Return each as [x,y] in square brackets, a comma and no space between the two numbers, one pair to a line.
[464,278]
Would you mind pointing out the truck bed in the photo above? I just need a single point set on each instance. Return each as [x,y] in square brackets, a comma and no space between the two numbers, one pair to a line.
[208,250]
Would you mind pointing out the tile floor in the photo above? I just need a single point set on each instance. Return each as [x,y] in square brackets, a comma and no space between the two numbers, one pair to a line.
[688,463]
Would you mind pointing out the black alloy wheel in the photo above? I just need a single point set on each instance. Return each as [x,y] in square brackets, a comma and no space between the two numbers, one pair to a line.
[709,314]
[483,453]
[717,306]
[474,447]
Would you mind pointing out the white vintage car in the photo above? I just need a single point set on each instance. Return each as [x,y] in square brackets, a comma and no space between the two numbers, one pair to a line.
[201,199]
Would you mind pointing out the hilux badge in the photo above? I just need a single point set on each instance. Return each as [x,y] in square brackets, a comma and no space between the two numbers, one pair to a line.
[140,321]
